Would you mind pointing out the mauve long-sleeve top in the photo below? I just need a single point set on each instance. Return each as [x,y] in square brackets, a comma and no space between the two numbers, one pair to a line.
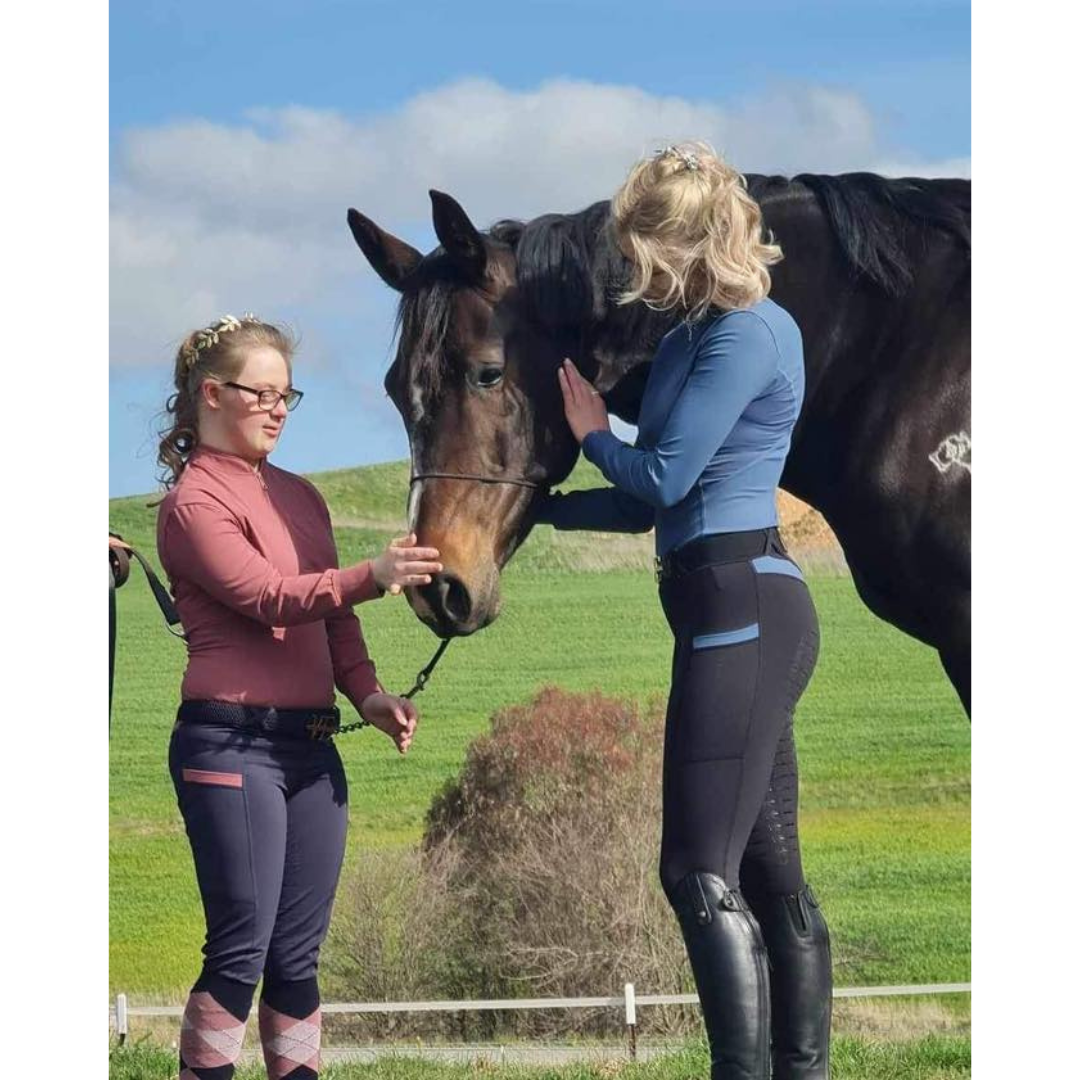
[268,617]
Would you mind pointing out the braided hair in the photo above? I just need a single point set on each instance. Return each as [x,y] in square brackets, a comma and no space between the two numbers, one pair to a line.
[217,351]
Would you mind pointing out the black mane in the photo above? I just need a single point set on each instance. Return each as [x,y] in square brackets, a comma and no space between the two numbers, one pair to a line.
[570,271]
[865,210]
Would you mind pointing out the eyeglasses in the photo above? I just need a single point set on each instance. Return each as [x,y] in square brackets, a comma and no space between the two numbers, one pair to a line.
[268,399]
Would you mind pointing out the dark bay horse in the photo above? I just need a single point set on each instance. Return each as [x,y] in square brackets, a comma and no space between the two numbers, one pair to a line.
[877,273]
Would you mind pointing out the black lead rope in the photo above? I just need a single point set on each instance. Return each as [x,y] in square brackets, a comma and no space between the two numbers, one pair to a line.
[422,677]
[421,682]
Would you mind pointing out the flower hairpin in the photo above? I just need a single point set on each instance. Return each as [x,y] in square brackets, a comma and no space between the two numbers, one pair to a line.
[689,159]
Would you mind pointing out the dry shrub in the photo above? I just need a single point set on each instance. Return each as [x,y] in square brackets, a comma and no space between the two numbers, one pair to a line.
[395,936]
[537,877]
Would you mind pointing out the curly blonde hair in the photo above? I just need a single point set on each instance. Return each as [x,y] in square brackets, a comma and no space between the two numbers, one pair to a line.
[693,232]
[216,351]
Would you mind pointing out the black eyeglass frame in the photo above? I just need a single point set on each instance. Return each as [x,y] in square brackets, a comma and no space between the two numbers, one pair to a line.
[291,397]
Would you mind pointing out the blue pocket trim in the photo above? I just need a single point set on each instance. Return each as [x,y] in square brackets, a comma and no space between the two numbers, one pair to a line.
[727,637]
[770,564]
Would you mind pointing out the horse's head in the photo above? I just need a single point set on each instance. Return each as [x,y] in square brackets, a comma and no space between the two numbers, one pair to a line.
[475,381]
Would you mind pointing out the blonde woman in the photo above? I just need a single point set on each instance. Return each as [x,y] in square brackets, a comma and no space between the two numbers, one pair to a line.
[270,632]
[724,391]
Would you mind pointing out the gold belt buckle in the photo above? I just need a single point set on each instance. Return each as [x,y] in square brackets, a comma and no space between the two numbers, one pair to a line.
[321,727]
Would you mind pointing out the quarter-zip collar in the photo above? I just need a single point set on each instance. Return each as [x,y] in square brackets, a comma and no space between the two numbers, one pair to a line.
[226,463]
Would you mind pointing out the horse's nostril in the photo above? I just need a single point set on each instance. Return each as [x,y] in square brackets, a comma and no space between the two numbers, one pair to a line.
[453,597]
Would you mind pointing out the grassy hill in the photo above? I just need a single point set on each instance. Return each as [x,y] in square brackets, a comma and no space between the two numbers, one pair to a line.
[883,743]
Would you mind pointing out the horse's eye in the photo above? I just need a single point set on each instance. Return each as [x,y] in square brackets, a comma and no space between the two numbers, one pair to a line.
[489,376]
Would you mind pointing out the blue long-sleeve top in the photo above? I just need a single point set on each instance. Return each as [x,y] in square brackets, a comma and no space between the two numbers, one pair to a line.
[714,430]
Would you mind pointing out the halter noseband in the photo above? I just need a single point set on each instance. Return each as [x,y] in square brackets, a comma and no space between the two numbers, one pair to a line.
[469,476]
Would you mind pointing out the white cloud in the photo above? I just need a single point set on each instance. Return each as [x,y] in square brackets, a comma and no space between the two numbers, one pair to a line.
[210,217]
[947,167]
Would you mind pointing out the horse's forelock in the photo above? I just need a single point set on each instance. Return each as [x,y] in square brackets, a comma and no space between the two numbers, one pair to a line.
[422,325]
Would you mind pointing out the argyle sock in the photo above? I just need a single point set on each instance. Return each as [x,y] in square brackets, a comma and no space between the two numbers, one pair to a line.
[212,1031]
[290,1027]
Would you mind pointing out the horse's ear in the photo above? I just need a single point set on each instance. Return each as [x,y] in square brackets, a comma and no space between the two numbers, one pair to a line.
[458,235]
[392,259]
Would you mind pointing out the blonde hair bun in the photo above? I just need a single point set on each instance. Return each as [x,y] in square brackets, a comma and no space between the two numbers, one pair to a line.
[693,232]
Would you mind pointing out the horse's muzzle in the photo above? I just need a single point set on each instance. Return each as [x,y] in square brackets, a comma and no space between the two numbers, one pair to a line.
[447,606]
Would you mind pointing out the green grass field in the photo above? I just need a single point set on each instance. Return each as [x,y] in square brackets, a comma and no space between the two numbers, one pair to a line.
[932,1057]
[884,751]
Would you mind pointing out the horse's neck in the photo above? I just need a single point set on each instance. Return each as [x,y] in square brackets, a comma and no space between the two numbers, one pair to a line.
[622,351]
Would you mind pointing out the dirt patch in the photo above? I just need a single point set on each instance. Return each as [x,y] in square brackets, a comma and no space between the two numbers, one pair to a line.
[898,1020]
[807,534]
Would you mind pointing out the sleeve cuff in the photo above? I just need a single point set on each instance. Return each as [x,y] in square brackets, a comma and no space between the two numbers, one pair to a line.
[357,584]
[363,683]
[542,507]
[593,445]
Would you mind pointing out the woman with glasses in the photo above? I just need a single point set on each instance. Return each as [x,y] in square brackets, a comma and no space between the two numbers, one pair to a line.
[270,630]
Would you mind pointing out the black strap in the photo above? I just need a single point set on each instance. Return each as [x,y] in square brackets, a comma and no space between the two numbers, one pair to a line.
[119,571]
[118,557]
[472,476]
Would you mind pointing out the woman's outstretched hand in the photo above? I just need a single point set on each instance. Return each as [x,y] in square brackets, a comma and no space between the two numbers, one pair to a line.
[402,563]
[395,715]
[585,408]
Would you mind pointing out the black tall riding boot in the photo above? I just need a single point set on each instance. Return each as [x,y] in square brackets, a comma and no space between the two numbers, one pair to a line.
[800,974]
[727,954]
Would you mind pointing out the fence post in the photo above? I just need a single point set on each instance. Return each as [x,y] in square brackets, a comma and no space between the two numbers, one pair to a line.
[631,1017]
[121,1017]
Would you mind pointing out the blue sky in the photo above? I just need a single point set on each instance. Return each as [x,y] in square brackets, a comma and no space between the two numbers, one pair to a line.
[240,134]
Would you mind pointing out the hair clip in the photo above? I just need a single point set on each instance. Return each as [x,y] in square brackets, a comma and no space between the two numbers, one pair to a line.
[210,335]
[689,159]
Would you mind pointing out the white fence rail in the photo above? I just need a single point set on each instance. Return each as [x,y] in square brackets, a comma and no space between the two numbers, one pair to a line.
[629,1001]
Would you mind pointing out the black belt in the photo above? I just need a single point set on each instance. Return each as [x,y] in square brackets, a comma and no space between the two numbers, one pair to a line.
[717,548]
[318,724]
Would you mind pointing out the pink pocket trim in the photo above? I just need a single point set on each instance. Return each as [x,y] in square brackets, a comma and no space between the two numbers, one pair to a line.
[220,779]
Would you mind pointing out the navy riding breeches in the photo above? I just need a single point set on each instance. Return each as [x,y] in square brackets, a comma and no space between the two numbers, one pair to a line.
[746,642]
[266,815]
